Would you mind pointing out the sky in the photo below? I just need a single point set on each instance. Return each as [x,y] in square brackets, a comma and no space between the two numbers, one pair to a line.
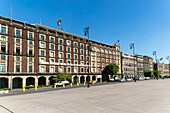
[143,22]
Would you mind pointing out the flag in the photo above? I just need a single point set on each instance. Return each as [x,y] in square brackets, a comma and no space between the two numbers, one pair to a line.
[161,59]
[59,22]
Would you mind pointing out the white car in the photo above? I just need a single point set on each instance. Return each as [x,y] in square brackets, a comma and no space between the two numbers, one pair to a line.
[111,79]
[147,78]
[141,78]
[122,80]
[129,79]
[60,83]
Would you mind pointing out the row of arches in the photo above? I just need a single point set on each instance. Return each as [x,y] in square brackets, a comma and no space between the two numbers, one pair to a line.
[82,79]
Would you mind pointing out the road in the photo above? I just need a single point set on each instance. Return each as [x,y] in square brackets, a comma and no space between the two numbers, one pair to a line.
[151,96]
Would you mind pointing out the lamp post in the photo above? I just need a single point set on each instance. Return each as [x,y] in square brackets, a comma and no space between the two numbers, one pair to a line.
[86,33]
[132,46]
[156,67]
[168,58]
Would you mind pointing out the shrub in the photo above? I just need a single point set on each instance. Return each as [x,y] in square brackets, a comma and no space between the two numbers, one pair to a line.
[28,87]
[5,89]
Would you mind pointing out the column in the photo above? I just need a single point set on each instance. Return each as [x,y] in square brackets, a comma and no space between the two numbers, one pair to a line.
[47,79]
[36,81]
[9,82]
[85,78]
[79,78]
[23,82]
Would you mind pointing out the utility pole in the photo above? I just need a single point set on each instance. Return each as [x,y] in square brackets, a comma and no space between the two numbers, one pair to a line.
[132,46]
[154,53]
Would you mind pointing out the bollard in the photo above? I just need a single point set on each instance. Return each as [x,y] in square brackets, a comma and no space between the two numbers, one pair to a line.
[77,84]
[23,89]
[35,88]
[84,83]
[63,85]
[71,85]
[55,86]
[92,83]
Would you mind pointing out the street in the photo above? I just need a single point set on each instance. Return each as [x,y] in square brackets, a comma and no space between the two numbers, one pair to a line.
[149,96]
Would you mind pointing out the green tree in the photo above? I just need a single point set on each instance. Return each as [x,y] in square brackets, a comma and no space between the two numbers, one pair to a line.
[62,77]
[110,69]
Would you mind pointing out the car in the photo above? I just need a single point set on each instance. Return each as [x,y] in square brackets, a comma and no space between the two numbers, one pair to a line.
[141,78]
[111,79]
[129,79]
[122,80]
[116,78]
[147,78]
[60,83]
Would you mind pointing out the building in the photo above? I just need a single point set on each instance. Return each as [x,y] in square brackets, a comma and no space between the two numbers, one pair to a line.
[140,65]
[34,54]
[148,63]
[164,68]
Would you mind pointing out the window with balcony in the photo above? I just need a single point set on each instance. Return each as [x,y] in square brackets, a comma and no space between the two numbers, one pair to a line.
[75,62]
[30,59]
[68,62]
[75,70]
[2,67]
[52,60]
[3,38]
[68,69]
[30,68]
[51,69]
[30,43]
[42,69]
[42,45]
[61,61]
[60,41]
[52,46]
[52,54]
[42,53]
[42,60]
[82,69]
[42,37]
[60,69]
[60,55]
[30,36]
[3,57]
[60,48]
[17,68]
[3,30]
[30,52]
[18,41]
[18,59]
[3,48]
[18,33]
[18,50]
[52,40]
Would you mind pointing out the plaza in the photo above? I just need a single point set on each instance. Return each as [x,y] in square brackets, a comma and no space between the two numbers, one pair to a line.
[151,96]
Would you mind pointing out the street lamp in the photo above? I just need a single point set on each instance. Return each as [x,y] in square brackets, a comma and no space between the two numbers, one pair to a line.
[156,67]
[168,58]
[86,33]
[132,46]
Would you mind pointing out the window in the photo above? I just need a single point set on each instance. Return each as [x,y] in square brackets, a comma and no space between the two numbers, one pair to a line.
[75,50]
[87,47]
[17,32]
[42,45]
[68,49]
[68,62]
[81,57]
[18,50]
[52,54]
[61,69]
[81,45]
[75,62]
[3,30]
[60,55]
[30,68]
[52,60]
[17,58]
[61,48]
[42,37]
[52,46]
[87,58]
[68,56]
[61,61]
[82,69]
[52,40]
[30,52]
[81,51]
[87,52]
[42,69]
[2,67]
[51,69]
[3,57]
[60,41]
[75,44]
[30,43]
[68,43]
[75,70]
[17,68]
[42,53]
[42,60]
[3,48]
[75,57]
[18,41]
[30,59]
[30,36]
[81,62]
[3,38]
[68,69]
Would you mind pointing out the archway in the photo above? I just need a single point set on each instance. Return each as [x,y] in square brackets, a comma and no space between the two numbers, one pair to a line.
[41,81]
[51,80]
[30,81]
[17,82]
[82,79]
[75,79]
[3,83]
[94,78]
[88,79]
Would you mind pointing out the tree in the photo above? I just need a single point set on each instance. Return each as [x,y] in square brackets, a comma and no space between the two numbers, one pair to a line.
[62,77]
[110,69]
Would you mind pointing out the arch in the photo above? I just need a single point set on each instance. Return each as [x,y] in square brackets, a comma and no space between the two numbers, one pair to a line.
[41,81]
[3,83]
[30,81]
[82,79]
[88,79]
[105,78]
[94,78]
[17,82]
[75,79]
[51,80]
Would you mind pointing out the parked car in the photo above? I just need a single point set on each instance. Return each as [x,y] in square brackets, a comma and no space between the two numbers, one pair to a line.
[141,78]
[129,79]
[147,78]
[60,83]
[122,80]
[116,78]
[111,79]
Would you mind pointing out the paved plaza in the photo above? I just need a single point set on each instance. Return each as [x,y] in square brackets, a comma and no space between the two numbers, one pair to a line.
[152,96]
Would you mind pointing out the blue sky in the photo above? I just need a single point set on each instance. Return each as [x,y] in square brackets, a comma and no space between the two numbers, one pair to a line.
[143,22]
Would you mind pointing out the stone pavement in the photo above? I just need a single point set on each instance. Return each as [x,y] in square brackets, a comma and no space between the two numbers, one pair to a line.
[141,97]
